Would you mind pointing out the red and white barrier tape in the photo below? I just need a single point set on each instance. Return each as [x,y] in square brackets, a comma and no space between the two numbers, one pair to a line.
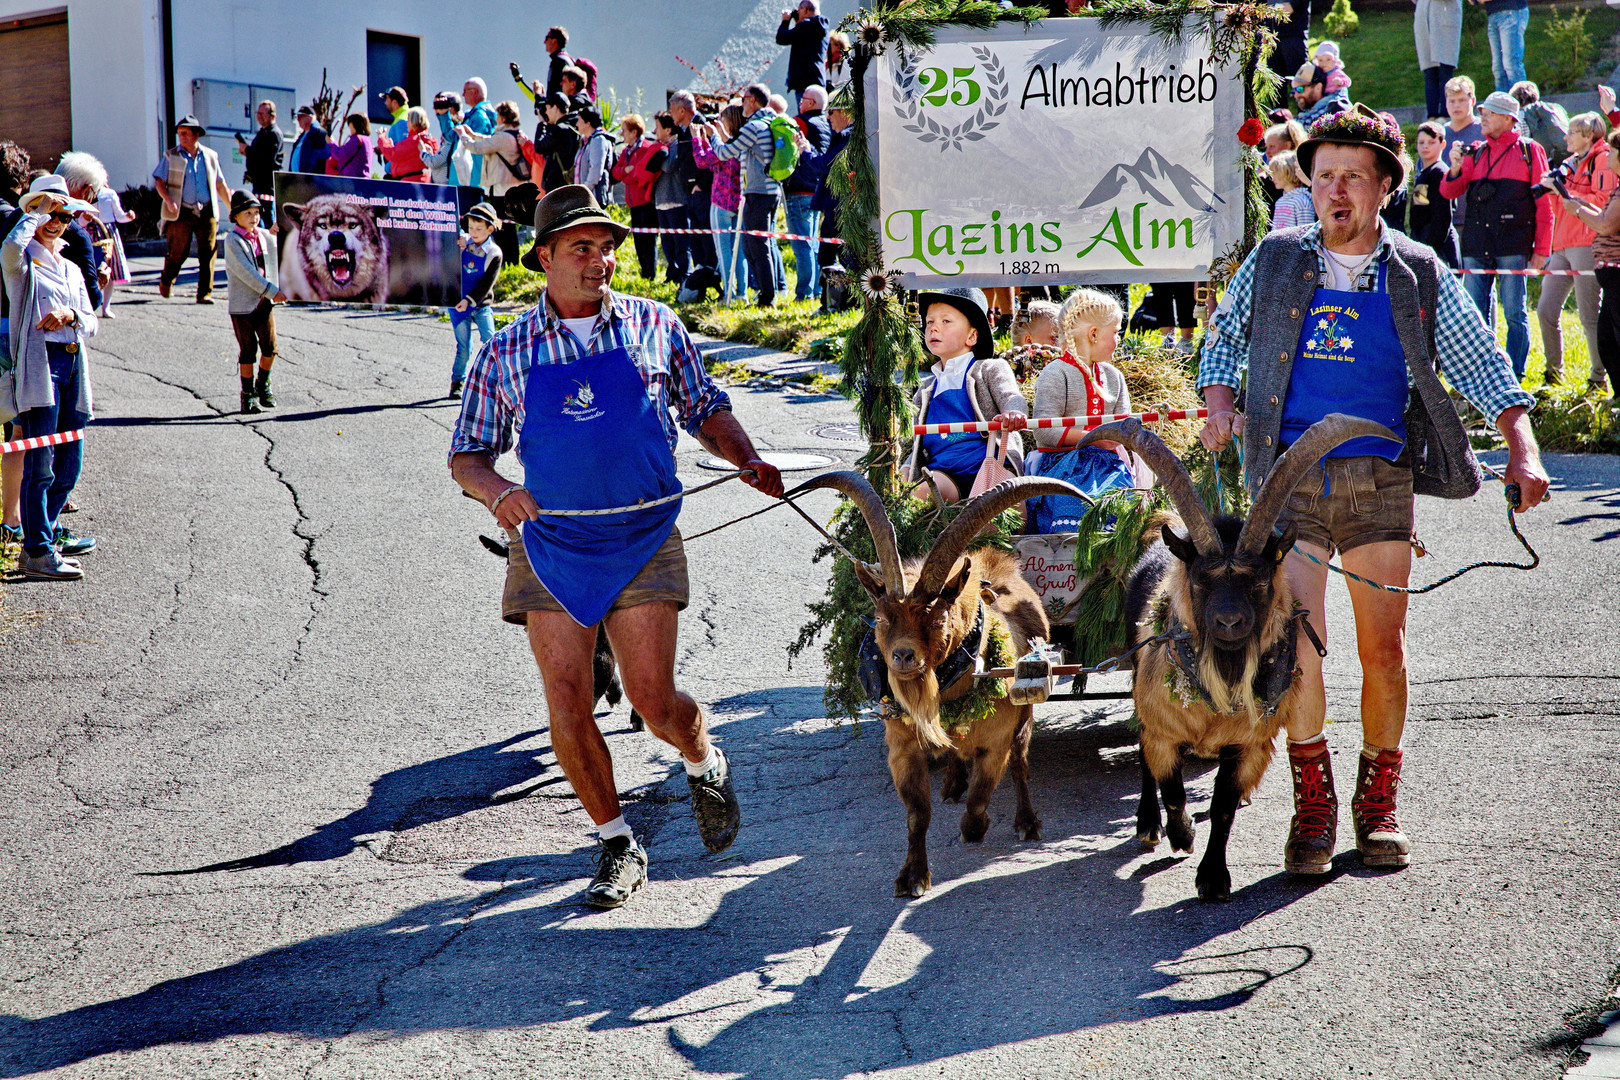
[41,441]
[1064,421]
[1527,273]
[745,232]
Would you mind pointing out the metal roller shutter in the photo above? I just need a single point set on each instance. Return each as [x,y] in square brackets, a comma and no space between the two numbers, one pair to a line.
[35,105]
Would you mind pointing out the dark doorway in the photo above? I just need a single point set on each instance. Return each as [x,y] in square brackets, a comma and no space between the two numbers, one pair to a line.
[391,60]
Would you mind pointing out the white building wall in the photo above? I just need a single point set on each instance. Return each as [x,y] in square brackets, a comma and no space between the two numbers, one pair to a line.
[117,63]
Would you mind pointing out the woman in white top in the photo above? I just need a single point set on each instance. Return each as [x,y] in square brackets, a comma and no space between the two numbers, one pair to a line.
[50,319]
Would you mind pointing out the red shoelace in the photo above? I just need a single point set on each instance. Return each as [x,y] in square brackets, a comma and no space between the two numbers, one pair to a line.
[1314,809]
[1376,806]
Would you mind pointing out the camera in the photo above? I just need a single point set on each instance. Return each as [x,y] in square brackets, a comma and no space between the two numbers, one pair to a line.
[1472,149]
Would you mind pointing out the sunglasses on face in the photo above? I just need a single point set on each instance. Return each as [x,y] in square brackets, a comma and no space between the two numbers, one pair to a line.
[61,215]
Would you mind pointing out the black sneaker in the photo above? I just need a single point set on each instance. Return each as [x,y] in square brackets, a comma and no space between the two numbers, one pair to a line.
[621,869]
[714,804]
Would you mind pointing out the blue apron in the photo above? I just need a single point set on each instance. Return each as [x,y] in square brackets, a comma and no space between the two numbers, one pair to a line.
[592,438]
[1092,469]
[473,261]
[963,452]
[1349,360]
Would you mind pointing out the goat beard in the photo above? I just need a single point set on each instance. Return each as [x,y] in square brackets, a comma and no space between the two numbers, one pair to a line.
[919,699]
[1228,678]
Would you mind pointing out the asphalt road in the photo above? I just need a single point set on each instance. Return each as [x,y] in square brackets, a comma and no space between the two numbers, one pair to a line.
[286,659]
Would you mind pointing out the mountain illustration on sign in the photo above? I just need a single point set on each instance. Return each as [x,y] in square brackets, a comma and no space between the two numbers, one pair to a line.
[1152,174]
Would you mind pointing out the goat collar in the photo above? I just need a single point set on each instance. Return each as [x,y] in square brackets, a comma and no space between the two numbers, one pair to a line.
[1271,681]
[964,658]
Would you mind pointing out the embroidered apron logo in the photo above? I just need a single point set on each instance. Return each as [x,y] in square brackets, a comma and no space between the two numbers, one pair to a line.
[582,405]
[1331,336]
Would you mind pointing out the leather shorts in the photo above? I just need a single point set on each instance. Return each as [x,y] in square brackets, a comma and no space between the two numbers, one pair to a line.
[663,578]
[1347,502]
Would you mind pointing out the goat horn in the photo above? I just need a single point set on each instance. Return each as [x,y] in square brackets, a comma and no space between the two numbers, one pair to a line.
[1171,473]
[972,521]
[857,490]
[1321,437]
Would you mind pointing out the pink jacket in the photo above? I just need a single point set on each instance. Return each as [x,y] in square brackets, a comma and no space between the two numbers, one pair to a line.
[727,190]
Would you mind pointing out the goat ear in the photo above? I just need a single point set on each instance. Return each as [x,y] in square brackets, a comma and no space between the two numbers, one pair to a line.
[1280,544]
[957,582]
[870,578]
[1179,546]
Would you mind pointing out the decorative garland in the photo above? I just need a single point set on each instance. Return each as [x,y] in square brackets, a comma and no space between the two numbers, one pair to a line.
[980,702]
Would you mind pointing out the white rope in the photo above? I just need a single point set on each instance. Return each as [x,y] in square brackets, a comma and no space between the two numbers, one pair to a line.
[644,504]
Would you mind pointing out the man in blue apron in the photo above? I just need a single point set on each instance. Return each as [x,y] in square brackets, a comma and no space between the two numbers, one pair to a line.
[586,381]
[1347,316]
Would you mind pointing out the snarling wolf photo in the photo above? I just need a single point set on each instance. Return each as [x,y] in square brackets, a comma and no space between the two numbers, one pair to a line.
[335,252]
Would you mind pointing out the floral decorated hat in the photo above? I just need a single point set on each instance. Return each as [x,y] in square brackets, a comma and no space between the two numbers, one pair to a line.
[1359,126]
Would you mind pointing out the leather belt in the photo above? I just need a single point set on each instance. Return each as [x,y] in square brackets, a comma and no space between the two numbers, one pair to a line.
[69,347]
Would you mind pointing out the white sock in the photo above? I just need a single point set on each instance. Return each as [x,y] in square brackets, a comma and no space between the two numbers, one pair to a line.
[699,768]
[616,827]
[1312,741]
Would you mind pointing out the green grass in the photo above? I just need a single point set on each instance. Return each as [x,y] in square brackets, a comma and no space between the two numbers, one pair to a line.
[1381,57]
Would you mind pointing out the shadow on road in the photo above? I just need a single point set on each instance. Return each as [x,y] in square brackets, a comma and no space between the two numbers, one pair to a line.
[417,794]
[792,962]
[271,418]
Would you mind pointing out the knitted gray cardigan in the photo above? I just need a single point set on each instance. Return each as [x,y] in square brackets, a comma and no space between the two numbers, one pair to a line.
[1286,276]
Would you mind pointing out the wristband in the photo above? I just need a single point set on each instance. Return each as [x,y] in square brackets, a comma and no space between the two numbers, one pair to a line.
[496,505]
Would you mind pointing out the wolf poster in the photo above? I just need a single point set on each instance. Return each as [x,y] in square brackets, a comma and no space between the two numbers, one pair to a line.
[353,240]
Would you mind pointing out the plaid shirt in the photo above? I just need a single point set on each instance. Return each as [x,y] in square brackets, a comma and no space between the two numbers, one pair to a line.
[1470,358]
[492,407]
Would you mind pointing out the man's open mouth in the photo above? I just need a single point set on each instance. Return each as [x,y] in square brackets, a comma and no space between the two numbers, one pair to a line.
[340,264]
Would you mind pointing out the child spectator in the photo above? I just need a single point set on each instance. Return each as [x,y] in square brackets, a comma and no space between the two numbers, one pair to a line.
[481,261]
[113,215]
[1294,206]
[1431,211]
[251,300]
[1084,383]
[1037,324]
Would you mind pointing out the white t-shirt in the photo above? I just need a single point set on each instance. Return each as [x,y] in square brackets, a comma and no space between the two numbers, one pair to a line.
[582,328]
[951,374]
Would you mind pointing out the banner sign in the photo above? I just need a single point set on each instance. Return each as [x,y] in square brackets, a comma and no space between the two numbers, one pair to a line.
[354,240]
[1058,154]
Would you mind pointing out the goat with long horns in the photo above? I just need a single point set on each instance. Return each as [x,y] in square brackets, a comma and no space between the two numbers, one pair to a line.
[935,618]
[1224,683]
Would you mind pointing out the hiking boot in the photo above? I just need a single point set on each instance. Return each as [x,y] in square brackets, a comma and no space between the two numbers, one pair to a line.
[1378,835]
[714,804]
[69,544]
[621,869]
[261,390]
[1312,833]
[50,567]
[250,402]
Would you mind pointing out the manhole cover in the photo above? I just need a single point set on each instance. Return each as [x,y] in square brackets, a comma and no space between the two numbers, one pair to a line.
[838,432]
[785,462]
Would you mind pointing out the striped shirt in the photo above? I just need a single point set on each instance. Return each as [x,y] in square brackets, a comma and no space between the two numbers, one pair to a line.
[1470,358]
[754,146]
[670,365]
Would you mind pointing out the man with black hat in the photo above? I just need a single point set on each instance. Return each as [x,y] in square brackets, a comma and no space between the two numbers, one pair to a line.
[195,196]
[583,384]
[1348,316]
[309,152]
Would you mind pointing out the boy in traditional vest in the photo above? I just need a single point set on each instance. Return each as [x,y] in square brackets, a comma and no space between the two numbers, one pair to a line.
[480,266]
[249,254]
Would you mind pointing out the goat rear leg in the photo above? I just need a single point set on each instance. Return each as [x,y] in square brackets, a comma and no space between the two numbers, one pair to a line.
[1178,824]
[1027,824]
[989,767]
[956,779]
[908,765]
[1214,879]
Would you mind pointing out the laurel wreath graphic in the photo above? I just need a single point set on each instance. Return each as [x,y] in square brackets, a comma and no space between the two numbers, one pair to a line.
[908,104]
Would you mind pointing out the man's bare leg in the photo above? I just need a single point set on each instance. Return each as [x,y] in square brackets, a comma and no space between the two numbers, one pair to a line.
[1381,644]
[564,649]
[643,640]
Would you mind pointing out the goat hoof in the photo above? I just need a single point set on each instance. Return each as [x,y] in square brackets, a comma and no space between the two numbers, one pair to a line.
[1028,830]
[974,826]
[1214,885]
[1149,837]
[1179,829]
[911,883]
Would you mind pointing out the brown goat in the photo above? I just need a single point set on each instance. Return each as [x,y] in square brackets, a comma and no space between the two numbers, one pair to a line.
[926,609]
[1224,685]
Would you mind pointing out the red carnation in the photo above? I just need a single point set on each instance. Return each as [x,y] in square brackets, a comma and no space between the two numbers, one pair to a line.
[1253,132]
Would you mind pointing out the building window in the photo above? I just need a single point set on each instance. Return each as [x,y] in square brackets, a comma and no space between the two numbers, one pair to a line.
[391,60]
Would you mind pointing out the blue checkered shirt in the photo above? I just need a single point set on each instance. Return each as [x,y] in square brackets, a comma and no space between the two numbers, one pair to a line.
[670,365]
[1470,358]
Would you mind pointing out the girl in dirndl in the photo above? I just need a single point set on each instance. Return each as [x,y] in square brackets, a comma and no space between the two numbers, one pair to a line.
[1083,382]
[113,214]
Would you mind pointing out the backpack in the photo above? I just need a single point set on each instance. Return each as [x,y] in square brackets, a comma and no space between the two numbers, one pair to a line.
[785,148]
[522,168]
